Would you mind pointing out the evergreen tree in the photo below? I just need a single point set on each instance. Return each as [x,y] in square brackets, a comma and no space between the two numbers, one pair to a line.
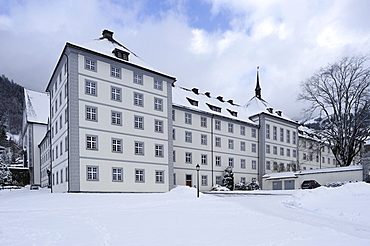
[228,180]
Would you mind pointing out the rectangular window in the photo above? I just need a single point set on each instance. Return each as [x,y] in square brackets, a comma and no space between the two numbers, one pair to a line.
[231,144]
[268,165]
[66,174]
[92,173]
[267,148]
[294,153]
[218,142]
[294,138]
[91,142]
[254,148]
[158,126]
[158,85]
[158,104]
[288,136]
[230,127]
[139,175]
[187,118]
[254,164]
[159,150]
[219,180]
[60,121]
[204,159]
[66,143]
[242,163]
[115,94]
[56,152]
[281,135]
[91,113]
[116,118]
[242,146]
[204,180]
[242,130]
[115,72]
[254,133]
[90,64]
[174,156]
[139,122]
[173,115]
[203,139]
[281,151]
[218,160]
[188,137]
[287,152]
[117,174]
[203,121]
[274,129]
[65,90]
[275,166]
[116,145]
[274,150]
[66,115]
[188,157]
[56,127]
[267,131]
[139,148]
[138,99]
[218,125]
[231,162]
[57,176]
[138,79]
[61,147]
[56,105]
[173,134]
[90,88]
[159,176]
[60,98]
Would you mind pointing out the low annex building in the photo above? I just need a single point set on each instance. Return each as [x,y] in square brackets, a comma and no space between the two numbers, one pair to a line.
[118,125]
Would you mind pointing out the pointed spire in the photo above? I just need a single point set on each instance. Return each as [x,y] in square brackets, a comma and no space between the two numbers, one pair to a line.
[258,87]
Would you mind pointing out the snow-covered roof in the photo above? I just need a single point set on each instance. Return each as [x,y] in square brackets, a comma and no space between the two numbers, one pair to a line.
[37,106]
[106,45]
[204,102]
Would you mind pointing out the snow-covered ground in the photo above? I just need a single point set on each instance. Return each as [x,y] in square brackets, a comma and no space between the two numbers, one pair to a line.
[324,216]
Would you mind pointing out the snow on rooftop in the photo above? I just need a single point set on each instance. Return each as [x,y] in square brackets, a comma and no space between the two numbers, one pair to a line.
[37,106]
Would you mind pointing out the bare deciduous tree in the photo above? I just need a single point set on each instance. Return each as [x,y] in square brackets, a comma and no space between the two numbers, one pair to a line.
[340,94]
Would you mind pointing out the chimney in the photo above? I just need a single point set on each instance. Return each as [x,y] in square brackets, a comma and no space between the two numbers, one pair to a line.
[208,94]
[231,101]
[270,110]
[195,90]
[279,112]
[107,34]
[220,98]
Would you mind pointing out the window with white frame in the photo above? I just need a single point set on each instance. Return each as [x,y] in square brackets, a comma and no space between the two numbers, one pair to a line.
[218,160]
[139,148]
[203,159]
[242,180]
[115,72]
[90,88]
[66,115]
[66,143]
[242,146]
[174,156]
[230,127]
[267,131]
[66,174]
[116,118]
[217,141]
[61,147]
[231,162]
[219,180]
[91,113]
[139,175]
[158,150]
[268,149]
[92,173]
[138,79]
[60,98]
[139,122]
[268,165]
[117,174]
[138,99]
[60,121]
[187,118]
[288,136]
[158,126]
[57,176]
[254,133]
[66,90]
[242,163]
[274,150]
[203,121]
[254,164]
[218,125]
[56,152]
[254,148]
[188,157]
[274,132]
[159,176]
[116,94]
[90,64]
[281,135]
[173,115]
[91,142]
[173,134]
[275,166]
[56,127]
[281,151]
[294,153]
[158,85]
[242,130]
[231,144]
[188,137]
[117,145]
[158,104]
[203,139]
[294,138]
[287,152]
[204,180]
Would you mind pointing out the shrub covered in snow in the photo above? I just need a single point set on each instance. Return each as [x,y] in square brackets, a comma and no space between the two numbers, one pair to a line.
[220,188]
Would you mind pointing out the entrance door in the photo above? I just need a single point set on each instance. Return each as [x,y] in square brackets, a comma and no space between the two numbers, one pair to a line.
[188,180]
[277,185]
[289,184]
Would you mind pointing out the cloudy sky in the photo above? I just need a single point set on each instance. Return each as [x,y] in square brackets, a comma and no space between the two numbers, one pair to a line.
[214,45]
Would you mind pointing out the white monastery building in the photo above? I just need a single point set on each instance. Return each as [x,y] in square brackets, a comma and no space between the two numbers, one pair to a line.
[118,125]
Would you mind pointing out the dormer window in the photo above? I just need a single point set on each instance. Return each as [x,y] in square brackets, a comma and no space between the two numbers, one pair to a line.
[233,113]
[214,108]
[121,54]
[192,102]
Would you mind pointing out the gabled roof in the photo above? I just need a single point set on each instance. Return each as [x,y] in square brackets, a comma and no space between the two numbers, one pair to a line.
[36,106]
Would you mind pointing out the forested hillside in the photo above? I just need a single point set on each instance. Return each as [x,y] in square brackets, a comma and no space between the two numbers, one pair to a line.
[11,107]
